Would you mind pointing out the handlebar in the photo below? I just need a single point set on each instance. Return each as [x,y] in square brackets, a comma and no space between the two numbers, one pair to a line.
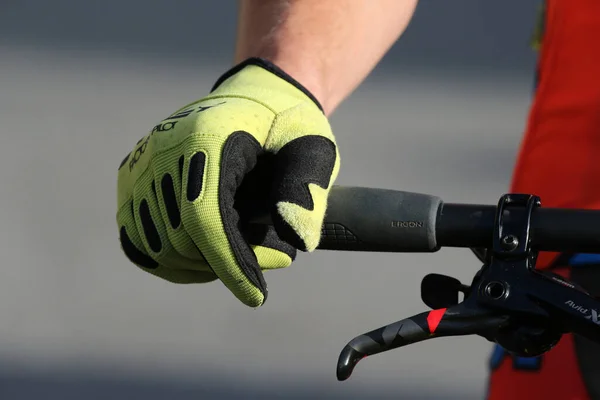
[370,219]
[509,301]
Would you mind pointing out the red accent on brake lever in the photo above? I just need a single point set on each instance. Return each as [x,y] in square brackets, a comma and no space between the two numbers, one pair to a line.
[434,317]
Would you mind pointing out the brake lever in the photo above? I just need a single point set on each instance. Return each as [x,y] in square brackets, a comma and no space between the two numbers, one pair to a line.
[462,319]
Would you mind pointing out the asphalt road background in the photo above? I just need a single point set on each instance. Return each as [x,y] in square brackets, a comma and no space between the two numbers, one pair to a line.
[80,82]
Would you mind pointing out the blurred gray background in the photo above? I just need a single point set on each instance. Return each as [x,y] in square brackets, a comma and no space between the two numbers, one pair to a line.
[81,82]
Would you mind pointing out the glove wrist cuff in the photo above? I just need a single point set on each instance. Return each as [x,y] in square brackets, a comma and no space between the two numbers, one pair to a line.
[269,66]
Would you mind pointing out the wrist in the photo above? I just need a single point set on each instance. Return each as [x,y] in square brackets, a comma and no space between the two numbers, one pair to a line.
[304,66]
[306,74]
[309,83]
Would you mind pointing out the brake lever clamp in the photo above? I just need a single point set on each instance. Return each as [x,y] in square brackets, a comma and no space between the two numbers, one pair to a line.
[502,283]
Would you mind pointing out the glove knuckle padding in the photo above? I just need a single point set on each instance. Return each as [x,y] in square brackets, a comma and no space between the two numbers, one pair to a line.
[134,248]
[152,227]
[307,164]
[130,239]
[168,174]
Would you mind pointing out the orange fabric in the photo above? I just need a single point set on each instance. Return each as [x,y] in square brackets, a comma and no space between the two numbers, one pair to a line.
[559,161]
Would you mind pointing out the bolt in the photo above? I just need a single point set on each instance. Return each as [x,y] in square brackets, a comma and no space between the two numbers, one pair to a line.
[510,242]
[495,290]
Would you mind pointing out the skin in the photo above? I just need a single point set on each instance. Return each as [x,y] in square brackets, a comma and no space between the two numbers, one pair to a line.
[329,46]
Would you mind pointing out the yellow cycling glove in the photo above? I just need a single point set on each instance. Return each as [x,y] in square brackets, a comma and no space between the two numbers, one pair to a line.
[180,189]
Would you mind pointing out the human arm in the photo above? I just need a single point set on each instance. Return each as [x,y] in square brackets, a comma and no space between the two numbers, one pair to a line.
[329,46]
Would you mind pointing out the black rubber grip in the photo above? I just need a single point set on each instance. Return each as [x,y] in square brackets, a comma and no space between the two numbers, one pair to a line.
[369,219]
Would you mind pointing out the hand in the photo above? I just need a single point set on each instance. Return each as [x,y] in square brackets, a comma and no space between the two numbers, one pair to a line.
[177,188]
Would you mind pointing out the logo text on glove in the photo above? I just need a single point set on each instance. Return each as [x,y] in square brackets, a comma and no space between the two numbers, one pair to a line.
[185,113]
[167,126]
[138,153]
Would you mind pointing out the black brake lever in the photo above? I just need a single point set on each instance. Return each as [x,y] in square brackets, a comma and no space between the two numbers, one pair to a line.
[460,319]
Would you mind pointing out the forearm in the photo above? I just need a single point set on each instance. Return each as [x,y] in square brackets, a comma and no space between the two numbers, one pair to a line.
[329,46]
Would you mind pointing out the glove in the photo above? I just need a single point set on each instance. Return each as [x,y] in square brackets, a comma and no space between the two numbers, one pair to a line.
[179,189]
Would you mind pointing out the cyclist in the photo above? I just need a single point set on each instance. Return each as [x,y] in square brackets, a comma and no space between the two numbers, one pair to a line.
[296,61]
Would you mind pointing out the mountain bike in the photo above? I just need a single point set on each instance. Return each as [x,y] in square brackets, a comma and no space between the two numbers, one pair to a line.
[509,301]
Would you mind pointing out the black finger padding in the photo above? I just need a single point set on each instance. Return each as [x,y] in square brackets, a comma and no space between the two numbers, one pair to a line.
[133,253]
[170,200]
[306,160]
[239,156]
[266,236]
[195,176]
[309,159]
[180,165]
[150,230]
[253,197]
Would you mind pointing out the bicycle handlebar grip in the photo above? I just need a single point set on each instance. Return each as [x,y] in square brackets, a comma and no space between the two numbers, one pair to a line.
[370,219]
